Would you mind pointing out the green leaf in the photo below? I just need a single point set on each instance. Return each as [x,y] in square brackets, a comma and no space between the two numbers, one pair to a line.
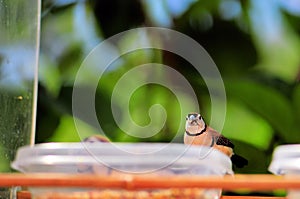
[266,102]
[258,160]
[296,103]
[278,49]
[244,125]
[67,132]
[49,75]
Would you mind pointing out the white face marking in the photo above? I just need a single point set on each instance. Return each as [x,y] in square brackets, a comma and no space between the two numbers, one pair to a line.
[194,123]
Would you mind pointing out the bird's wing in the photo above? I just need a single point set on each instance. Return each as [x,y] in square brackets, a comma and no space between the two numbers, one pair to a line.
[220,139]
[239,161]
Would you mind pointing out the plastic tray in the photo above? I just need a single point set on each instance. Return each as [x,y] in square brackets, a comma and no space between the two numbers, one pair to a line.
[286,161]
[119,159]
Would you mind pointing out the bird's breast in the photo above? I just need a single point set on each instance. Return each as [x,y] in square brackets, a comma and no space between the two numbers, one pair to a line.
[203,139]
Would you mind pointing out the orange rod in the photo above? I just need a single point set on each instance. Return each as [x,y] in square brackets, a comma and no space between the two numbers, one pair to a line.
[27,195]
[251,182]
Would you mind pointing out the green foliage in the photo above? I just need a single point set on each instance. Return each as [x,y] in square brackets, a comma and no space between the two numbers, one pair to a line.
[66,131]
[296,103]
[255,47]
[278,45]
[253,130]
[267,102]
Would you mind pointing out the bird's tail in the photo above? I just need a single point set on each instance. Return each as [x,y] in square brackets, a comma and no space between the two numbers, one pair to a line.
[239,161]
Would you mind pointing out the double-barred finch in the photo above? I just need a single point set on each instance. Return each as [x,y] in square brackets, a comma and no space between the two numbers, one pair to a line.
[198,133]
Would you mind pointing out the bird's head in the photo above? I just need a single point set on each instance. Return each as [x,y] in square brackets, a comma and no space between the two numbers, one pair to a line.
[194,123]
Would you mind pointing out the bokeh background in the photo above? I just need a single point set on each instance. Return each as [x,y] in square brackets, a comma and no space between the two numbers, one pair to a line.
[254,43]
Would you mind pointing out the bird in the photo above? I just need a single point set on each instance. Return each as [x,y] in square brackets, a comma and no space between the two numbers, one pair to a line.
[83,168]
[96,138]
[197,132]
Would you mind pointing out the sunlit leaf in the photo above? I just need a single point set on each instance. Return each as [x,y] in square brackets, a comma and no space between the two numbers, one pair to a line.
[244,125]
[67,132]
[268,103]
[277,43]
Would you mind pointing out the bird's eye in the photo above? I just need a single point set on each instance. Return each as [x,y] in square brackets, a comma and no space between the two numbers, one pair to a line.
[200,117]
[186,118]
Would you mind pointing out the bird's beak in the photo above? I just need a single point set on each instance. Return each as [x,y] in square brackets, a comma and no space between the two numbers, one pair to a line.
[194,122]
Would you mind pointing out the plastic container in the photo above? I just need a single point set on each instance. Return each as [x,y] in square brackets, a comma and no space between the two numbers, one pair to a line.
[119,159]
[286,161]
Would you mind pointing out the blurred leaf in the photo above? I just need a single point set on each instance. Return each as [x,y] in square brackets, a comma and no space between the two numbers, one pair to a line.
[69,61]
[49,75]
[268,103]
[67,132]
[68,37]
[49,111]
[244,125]
[258,161]
[143,112]
[296,104]
[277,43]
